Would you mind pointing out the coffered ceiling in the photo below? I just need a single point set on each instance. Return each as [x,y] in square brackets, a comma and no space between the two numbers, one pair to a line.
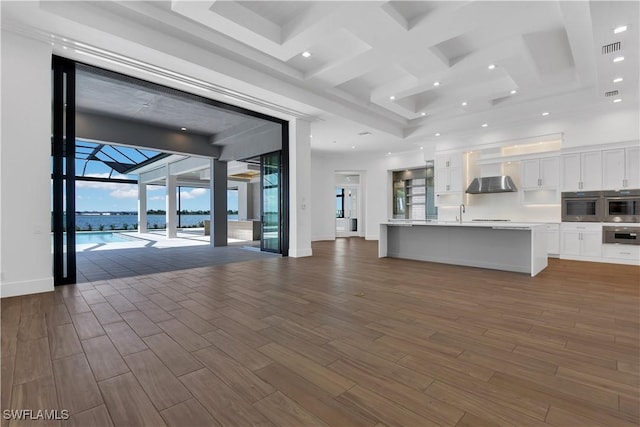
[399,71]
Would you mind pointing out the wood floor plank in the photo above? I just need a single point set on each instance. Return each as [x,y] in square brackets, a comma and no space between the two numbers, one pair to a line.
[37,394]
[76,304]
[184,336]
[381,408]
[188,413]
[313,398]
[95,417]
[236,376]
[140,323]
[33,361]
[193,321]
[414,400]
[162,387]
[127,402]
[123,337]
[237,350]
[76,387]
[177,359]
[327,380]
[235,329]
[64,341]
[227,407]
[105,313]
[87,326]
[285,412]
[120,303]
[103,357]
[316,353]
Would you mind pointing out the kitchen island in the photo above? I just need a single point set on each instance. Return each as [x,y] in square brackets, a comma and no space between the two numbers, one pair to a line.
[519,247]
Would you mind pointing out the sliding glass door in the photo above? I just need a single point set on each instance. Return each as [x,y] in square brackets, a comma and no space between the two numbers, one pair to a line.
[270,183]
[63,221]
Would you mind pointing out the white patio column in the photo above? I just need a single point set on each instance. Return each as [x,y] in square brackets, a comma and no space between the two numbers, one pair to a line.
[243,202]
[142,207]
[172,205]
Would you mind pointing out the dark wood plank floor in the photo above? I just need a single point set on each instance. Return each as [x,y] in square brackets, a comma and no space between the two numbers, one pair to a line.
[341,338]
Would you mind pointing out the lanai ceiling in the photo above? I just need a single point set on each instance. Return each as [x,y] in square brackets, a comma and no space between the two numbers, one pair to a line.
[402,71]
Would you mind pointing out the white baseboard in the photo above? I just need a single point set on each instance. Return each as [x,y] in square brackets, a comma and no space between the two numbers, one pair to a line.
[372,237]
[300,253]
[319,238]
[26,287]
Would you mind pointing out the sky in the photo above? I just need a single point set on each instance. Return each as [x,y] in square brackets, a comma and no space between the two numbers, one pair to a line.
[111,196]
[108,196]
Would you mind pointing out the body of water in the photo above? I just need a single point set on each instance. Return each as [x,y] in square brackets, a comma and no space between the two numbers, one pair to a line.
[120,222]
[85,237]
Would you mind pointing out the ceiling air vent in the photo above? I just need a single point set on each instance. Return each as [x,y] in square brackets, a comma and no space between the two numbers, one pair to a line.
[610,48]
[611,93]
[365,133]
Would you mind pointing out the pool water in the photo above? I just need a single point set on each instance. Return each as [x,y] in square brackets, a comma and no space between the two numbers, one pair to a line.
[102,237]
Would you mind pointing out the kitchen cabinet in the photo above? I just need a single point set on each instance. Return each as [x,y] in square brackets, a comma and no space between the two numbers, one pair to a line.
[582,171]
[541,173]
[581,240]
[448,173]
[621,168]
[553,239]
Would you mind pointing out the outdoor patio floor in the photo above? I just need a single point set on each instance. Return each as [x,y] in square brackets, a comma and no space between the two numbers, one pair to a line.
[158,254]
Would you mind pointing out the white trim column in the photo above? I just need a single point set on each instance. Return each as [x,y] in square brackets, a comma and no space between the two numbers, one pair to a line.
[172,205]
[142,207]
[299,188]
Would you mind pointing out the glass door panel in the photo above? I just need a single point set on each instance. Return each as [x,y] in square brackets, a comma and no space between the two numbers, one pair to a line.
[270,177]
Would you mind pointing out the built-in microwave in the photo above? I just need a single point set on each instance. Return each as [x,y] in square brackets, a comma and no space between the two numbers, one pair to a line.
[622,206]
[582,206]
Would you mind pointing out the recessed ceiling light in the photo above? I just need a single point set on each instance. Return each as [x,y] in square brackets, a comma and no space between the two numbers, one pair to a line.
[183,129]
[546,113]
[513,92]
[423,114]
[464,103]
[392,97]
[436,83]
[491,66]
[618,80]
[388,153]
[353,147]
[617,100]
[437,134]
[484,125]
[422,148]
[618,59]
[334,142]
[310,136]
[306,54]
[620,29]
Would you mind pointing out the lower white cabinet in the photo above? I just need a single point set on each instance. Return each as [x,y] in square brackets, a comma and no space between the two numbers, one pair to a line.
[580,240]
[621,252]
[553,239]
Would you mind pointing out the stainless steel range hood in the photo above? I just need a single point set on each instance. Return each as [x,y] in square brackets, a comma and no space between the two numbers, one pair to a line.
[492,184]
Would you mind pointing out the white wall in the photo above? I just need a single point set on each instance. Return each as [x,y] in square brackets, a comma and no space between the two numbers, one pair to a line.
[25,150]
[620,124]
[375,188]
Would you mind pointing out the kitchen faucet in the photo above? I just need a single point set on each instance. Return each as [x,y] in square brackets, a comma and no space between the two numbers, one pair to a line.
[462,210]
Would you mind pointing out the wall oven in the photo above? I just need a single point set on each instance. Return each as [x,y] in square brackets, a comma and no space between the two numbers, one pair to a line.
[582,206]
[622,206]
[621,235]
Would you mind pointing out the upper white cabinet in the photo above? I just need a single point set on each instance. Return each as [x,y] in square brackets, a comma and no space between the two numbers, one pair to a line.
[621,168]
[448,176]
[540,173]
[582,171]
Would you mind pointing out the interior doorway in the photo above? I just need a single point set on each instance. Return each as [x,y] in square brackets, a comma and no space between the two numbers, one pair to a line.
[348,207]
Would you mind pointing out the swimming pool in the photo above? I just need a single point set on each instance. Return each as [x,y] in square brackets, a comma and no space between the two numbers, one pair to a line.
[96,237]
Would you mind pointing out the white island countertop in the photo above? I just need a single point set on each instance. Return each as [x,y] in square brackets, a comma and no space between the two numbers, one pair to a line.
[500,245]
